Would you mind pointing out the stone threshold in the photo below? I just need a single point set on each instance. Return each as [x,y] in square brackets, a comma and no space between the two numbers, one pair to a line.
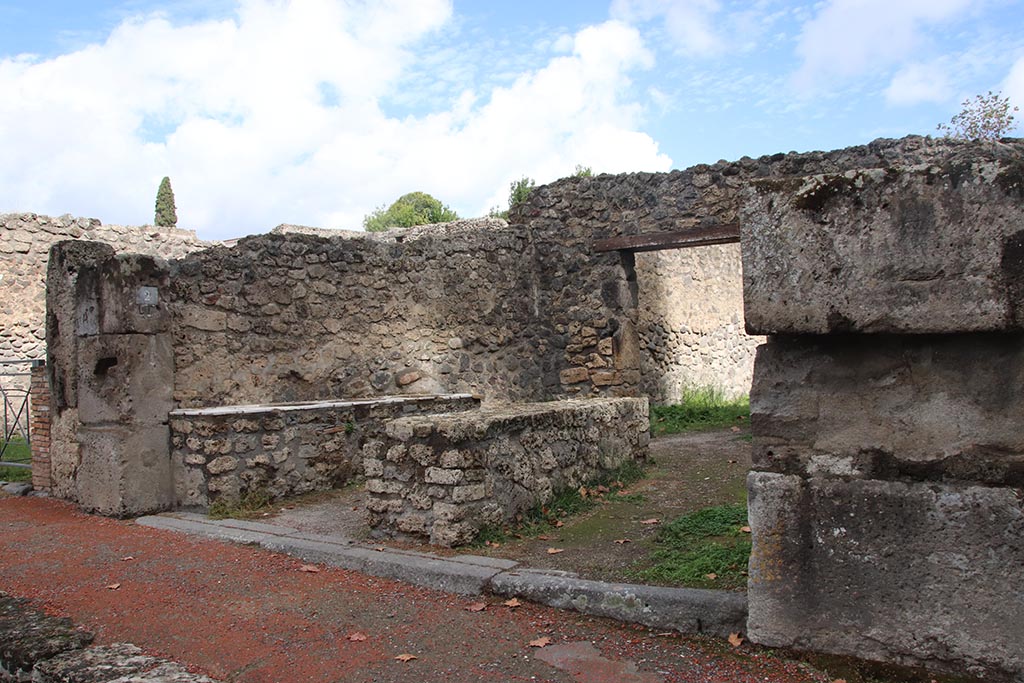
[686,610]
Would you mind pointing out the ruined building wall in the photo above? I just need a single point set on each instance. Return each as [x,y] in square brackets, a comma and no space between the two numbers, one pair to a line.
[887,497]
[654,300]
[25,241]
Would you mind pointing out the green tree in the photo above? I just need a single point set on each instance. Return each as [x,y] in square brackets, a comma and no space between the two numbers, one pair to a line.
[582,171]
[415,208]
[166,216]
[519,190]
[986,117]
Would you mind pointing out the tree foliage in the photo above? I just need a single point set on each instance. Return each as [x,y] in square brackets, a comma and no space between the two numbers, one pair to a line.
[582,171]
[166,215]
[986,117]
[415,208]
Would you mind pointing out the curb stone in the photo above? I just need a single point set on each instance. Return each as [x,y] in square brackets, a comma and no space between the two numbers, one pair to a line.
[686,610]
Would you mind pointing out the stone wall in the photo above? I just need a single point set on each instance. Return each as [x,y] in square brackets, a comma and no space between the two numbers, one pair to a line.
[691,322]
[887,497]
[25,241]
[229,452]
[445,477]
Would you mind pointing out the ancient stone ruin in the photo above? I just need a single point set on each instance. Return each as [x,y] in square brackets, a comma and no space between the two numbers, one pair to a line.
[886,497]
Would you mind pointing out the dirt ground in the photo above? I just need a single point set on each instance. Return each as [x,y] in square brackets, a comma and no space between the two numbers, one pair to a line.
[688,472]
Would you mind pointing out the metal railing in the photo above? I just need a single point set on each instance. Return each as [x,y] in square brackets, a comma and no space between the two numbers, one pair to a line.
[16,438]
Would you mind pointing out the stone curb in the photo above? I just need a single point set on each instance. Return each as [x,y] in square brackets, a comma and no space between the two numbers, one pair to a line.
[686,610]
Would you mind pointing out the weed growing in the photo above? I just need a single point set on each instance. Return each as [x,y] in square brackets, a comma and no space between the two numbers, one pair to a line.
[703,549]
[700,408]
[569,503]
[252,504]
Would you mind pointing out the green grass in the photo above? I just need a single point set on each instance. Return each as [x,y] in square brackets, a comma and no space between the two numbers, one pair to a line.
[568,503]
[702,543]
[252,504]
[17,451]
[700,408]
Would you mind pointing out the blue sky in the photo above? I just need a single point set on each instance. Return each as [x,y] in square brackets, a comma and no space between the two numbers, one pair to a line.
[317,111]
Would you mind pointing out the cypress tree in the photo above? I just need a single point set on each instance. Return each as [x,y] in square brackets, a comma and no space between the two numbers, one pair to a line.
[166,217]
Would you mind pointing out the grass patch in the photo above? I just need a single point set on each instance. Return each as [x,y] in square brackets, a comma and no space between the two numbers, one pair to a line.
[568,503]
[252,504]
[703,549]
[700,408]
[17,450]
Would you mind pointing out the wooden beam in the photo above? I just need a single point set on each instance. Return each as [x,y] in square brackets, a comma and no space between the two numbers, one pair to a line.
[727,233]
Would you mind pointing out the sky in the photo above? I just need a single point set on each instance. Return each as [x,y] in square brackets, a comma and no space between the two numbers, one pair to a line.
[316,112]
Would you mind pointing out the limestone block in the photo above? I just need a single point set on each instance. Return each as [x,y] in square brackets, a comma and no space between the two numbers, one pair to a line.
[223,464]
[574,375]
[437,475]
[125,378]
[124,470]
[940,408]
[922,573]
[914,249]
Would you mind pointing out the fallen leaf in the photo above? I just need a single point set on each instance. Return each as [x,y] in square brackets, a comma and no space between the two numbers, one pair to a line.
[745,529]
[732,462]
[356,637]
[379,549]
[492,544]
[127,558]
[512,603]
[559,523]
[735,639]
[584,492]
[555,551]
[652,520]
[620,541]
[540,642]
[113,586]
[476,607]
[665,634]
[624,492]
[711,577]
[405,658]
[843,680]
[289,507]
[543,537]
[734,429]
[310,568]
[602,489]
[617,484]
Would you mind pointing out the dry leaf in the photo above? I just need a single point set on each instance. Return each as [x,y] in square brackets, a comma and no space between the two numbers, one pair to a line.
[512,603]
[745,529]
[711,577]
[379,549]
[127,558]
[620,541]
[843,680]
[734,429]
[602,489]
[732,462]
[405,658]
[310,568]
[735,639]
[113,586]
[543,537]
[492,544]
[583,492]
[624,492]
[653,520]
[555,551]
[540,642]
[476,607]
[558,523]
[356,637]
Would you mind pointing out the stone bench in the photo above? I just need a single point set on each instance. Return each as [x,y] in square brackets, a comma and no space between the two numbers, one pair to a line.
[283,449]
[444,477]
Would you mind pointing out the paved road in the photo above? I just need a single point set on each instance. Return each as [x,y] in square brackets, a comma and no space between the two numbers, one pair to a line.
[243,614]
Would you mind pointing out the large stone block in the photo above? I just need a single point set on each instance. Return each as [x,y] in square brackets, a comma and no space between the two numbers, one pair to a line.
[918,573]
[938,408]
[936,248]
[124,470]
[125,378]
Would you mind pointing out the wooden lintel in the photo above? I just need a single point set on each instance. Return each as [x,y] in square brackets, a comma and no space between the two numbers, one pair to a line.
[727,233]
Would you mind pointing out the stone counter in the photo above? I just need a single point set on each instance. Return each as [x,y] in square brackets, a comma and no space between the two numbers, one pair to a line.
[226,452]
[445,477]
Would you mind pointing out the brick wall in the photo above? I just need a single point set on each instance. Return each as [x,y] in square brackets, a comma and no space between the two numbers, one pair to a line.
[39,415]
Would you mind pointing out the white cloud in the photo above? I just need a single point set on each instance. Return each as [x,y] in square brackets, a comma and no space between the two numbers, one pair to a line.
[849,38]
[1013,87]
[690,23]
[917,83]
[279,114]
